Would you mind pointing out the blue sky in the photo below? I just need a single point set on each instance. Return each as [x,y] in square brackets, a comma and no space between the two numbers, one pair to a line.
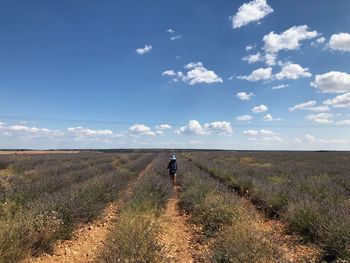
[175,74]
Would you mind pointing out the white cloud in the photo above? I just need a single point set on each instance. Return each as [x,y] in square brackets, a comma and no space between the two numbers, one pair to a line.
[260,108]
[251,133]
[88,132]
[144,50]
[244,118]
[30,130]
[140,129]
[321,40]
[340,42]
[258,74]
[322,118]
[341,101]
[268,117]
[312,140]
[194,127]
[310,106]
[163,127]
[343,122]
[175,37]
[199,74]
[244,96]
[282,86]
[270,59]
[253,58]
[159,132]
[293,71]
[169,73]
[265,135]
[287,40]
[219,127]
[171,31]
[250,47]
[251,12]
[303,106]
[332,82]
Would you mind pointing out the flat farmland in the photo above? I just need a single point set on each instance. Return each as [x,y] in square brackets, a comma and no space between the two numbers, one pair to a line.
[227,207]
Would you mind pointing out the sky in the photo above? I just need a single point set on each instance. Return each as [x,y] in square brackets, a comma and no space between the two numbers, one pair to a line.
[229,74]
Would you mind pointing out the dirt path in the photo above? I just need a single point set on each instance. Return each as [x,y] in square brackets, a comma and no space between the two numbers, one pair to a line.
[89,239]
[178,237]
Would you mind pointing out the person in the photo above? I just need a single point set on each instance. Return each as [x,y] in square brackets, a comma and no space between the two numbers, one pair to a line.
[172,167]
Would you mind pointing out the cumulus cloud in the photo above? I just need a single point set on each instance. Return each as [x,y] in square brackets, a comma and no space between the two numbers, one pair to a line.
[260,108]
[169,73]
[24,128]
[287,40]
[321,118]
[244,96]
[332,82]
[199,74]
[341,101]
[321,40]
[266,135]
[140,129]
[244,118]
[250,47]
[340,42]
[163,127]
[171,31]
[144,50]
[258,74]
[293,71]
[310,106]
[196,74]
[253,11]
[269,59]
[343,122]
[88,132]
[253,58]
[268,117]
[217,127]
[282,86]
[175,37]
[30,130]
[312,140]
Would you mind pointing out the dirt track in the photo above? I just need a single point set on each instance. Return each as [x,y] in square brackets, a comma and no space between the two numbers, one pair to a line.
[179,237]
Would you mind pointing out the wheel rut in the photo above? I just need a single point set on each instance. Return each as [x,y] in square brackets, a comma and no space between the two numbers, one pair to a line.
[178,236]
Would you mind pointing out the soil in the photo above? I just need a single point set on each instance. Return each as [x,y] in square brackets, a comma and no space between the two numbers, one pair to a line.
[179,237]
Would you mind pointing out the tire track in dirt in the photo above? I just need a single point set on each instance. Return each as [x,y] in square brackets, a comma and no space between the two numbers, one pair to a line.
[88,240]
[178,236]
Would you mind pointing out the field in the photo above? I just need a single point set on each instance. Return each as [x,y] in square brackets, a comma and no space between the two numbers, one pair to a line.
[108,206]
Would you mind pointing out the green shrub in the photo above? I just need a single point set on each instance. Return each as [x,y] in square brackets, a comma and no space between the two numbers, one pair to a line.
[334,235]
[214,211]
[239,242]
[303,218]
[134,239]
